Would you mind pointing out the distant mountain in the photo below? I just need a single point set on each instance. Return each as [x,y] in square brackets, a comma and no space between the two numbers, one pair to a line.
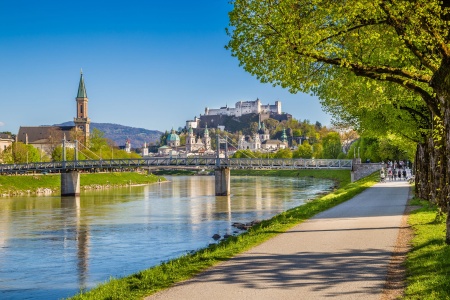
[119,133]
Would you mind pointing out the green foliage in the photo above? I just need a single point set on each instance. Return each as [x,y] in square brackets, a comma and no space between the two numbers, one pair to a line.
[331,145]
[317,150]
[382,149]
[57,154]
[100,148]
[97,140]
[18,153]
[245,154]
[370,64]
[283,153]
[303,151]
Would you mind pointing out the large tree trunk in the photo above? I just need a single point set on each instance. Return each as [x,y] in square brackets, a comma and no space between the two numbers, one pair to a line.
[441,134]
[444,190]
[422,171]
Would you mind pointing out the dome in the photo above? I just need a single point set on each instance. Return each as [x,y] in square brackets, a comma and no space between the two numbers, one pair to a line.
[172,137]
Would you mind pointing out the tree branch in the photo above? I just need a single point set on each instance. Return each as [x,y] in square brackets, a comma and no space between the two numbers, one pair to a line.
[399,28]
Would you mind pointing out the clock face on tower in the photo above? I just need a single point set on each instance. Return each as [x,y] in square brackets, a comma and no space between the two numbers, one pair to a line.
[81,127]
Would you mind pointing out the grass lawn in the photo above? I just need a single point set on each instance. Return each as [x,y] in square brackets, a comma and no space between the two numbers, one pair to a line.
[24,184]
[428,262]
[149,281]
[12,185]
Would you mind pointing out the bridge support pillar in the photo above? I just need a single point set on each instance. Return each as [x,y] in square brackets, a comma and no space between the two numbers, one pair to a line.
[70,184]
[222,176]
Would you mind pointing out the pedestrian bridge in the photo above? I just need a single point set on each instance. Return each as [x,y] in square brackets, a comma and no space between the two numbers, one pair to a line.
[70,170]
[161,163]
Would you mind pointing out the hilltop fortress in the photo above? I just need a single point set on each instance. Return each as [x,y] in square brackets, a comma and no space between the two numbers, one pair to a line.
[229,118]
[244,108]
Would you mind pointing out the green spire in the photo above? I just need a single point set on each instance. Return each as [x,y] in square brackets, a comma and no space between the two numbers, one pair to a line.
[191,131]
[284,136]
[81,88]
[206,130]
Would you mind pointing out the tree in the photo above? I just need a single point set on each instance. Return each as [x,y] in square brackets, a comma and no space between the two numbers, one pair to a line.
[331,145]
[19,152]
[299,44]
[97,140]
[283,153]
[303,151]
[57,154]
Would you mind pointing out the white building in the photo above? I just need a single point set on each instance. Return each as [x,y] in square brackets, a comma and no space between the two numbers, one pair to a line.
[250,143]
[244,108]
[5,141]
[145,150]
[199,144]
[261,141]
[128,146]
[193,123]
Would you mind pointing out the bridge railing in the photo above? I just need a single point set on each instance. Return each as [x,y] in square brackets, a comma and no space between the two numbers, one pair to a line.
[208,162]
[289,163]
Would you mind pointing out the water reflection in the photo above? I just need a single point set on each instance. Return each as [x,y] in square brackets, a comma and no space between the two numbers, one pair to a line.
[51,247]
[80,233]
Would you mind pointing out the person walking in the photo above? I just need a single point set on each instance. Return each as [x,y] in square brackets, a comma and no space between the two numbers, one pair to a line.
[399,174]
[382,175]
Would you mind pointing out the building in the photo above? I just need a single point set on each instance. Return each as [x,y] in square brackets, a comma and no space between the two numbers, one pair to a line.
[194,124]
[247,142]
[245,107]
[261,141]
[173,140]
[196,144]
[263,131]
[273,145]
[144,150]
[5,141]
[47,138]
[82,121]
[128,146]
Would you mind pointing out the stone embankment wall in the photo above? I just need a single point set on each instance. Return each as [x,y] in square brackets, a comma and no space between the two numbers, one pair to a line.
[360,170]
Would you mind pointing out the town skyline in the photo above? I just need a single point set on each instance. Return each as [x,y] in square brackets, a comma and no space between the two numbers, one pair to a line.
[146,65]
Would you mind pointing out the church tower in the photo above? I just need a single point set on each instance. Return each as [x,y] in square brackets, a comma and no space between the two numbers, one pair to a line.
[207,139]
[190,140]
[82,120]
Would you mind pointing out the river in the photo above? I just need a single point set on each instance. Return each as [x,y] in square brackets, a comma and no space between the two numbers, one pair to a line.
[51,247]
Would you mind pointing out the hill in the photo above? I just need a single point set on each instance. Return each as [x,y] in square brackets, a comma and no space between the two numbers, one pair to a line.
[120,133]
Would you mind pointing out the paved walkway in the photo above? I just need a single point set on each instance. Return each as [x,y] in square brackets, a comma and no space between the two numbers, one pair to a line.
[342,253]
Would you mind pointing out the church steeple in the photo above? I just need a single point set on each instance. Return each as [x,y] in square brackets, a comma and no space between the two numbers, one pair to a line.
[81,88]
[82,120]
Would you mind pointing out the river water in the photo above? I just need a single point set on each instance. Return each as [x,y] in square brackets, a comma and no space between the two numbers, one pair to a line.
[51,247]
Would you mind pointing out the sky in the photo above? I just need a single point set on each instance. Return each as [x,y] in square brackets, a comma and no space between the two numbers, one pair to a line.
[146,63]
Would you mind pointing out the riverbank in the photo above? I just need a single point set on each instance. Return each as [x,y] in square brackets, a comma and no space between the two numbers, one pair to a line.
[39,184]
[165,275]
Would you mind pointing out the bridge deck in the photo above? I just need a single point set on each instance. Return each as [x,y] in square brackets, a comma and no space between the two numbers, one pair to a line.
[162,162]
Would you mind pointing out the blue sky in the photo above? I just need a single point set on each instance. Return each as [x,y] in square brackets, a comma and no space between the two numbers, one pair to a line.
[149,64]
